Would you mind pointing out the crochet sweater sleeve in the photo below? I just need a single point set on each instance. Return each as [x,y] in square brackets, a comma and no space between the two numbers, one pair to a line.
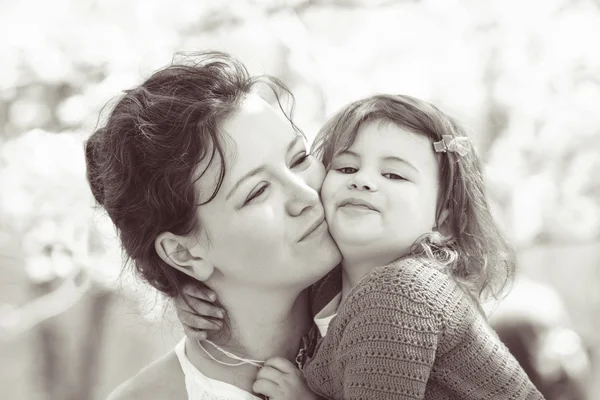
[408,332]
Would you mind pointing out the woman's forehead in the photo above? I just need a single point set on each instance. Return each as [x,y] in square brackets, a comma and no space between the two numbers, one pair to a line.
[253,135]
[253,116]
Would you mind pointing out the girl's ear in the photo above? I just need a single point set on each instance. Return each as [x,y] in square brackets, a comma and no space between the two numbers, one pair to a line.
[443,224]
[175,251]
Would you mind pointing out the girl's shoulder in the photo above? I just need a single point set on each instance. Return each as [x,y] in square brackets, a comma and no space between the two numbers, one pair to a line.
[409,274]
[411,282]
[162,379]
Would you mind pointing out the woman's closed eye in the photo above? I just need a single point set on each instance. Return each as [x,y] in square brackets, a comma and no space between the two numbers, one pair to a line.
[256,193]
[303,158]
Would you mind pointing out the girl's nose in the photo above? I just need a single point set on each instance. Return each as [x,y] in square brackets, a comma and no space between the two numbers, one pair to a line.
[361,181]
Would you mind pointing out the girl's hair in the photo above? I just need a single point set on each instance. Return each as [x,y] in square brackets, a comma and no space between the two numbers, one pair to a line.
[141,165]
[477,255]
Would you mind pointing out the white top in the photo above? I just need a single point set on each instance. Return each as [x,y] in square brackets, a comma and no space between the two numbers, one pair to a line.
[201,387]
[324,317]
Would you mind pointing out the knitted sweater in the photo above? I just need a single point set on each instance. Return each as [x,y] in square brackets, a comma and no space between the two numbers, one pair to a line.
[407,331]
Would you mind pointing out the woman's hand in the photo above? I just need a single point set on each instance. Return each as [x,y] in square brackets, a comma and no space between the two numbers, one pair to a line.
[199,314]
[279,379]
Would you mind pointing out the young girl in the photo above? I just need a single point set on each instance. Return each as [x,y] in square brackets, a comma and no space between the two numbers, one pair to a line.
[405,202]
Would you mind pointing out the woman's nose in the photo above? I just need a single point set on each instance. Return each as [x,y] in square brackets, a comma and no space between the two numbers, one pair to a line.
[301,197]
[362,181]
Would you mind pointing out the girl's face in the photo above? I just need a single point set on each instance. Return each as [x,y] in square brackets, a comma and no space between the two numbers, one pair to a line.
[381,194]
[265,228]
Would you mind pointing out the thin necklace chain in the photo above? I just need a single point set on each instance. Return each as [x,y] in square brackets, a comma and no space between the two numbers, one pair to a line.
[242,361]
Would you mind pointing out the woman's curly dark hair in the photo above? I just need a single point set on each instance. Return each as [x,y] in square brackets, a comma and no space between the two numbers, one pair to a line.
[141,165]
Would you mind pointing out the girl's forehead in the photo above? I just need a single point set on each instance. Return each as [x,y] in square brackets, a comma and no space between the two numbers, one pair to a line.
[387,137]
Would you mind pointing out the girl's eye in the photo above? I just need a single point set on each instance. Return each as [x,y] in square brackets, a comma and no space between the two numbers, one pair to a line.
[256,194]
[347,170]
[394,176]
[300,160]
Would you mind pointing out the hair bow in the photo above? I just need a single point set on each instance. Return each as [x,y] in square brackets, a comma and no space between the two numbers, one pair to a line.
[456,144]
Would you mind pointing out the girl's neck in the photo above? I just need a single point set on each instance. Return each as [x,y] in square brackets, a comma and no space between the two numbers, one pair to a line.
[260,327]
[354,269]
[352,273]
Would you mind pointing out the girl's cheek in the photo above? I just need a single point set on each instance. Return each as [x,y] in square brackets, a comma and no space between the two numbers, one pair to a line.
[328,190]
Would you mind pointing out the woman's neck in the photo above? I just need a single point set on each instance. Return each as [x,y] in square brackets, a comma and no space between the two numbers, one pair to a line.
[261,326]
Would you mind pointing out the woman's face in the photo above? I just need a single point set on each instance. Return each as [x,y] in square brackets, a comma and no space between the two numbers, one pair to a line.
[266,226]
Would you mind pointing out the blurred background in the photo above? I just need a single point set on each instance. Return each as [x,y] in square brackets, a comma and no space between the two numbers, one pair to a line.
[524,76]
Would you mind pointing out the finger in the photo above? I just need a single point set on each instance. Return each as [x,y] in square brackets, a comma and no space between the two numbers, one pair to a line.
[271,374]
[266,388]
[198,322]
[281,364]
[197,307]
[199,291]
[186,303]
[194,334]
[205,309]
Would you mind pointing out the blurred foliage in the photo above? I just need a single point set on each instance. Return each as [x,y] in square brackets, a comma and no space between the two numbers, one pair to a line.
[523,76]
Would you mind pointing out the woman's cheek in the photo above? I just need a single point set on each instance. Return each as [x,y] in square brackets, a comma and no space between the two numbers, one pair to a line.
[315,174]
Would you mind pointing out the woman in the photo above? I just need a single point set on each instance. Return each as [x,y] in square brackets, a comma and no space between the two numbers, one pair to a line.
[205,181]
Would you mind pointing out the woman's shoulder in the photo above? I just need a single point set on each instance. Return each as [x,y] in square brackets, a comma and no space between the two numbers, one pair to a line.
[162,379]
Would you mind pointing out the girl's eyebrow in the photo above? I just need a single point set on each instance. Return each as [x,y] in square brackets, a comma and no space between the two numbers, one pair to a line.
[400,160]
[387,158]
[349,153]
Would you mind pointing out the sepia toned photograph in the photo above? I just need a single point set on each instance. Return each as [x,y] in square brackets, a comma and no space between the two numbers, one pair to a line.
[299,199]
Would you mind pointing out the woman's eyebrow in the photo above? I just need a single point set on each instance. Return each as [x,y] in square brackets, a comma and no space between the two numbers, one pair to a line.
[250,174]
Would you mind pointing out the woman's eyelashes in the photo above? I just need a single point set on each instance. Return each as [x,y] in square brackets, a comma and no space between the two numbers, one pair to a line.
[304,157]
[257,193]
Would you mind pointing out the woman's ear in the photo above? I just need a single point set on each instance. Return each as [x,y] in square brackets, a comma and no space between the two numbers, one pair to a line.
[175,251]
[443,224]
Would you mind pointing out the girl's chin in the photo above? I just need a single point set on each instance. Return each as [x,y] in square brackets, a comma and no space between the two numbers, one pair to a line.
[354,237]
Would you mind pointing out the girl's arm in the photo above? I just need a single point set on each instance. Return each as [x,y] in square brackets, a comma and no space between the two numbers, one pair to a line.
[412,333]
[476,364]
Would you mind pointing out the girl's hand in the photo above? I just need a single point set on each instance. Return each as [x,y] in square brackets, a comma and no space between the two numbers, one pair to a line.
[279,379]
[203,315]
